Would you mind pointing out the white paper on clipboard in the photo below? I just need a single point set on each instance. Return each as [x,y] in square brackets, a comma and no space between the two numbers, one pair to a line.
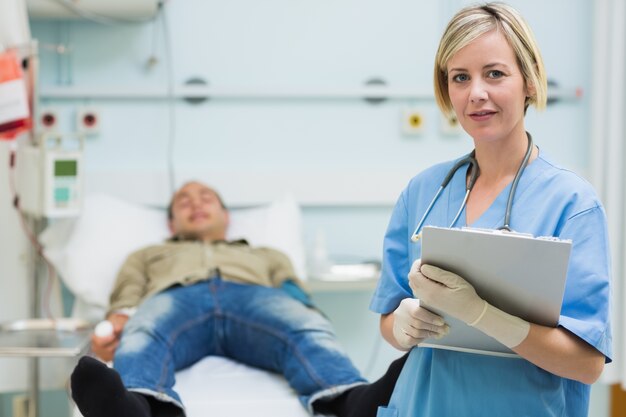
[517,273]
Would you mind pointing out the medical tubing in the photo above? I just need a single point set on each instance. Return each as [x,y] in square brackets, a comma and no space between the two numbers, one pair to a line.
[415,236]
[475,173]
[458,213]
[468,159]
[30,234]
[171,104]
[473,176]
[520,171]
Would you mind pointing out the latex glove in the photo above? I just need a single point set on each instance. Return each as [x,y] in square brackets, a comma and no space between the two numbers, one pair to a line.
[453,295]
[446,291]
[412,324]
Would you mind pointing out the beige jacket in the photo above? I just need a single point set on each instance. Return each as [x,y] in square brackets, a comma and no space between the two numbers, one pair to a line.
[155,268]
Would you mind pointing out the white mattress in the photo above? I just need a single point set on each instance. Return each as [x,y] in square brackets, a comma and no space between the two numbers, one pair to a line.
[220,387]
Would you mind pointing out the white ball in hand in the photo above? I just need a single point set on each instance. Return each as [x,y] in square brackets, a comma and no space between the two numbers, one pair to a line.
[104,329]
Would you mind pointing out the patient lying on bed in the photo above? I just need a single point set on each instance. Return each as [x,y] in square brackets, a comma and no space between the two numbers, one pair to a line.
[198,295]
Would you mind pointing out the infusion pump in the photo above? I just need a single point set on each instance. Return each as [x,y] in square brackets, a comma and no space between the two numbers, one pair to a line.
[50,177]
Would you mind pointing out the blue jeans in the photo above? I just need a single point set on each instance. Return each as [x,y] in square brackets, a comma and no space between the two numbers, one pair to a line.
[258,326]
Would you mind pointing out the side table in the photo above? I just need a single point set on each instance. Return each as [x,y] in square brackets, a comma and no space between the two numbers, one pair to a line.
[37,338]
[346,277]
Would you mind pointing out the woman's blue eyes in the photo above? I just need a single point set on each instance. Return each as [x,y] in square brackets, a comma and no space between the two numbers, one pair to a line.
[495,74]
[459,78]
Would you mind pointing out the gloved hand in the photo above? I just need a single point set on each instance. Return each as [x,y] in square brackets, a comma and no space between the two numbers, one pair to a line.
[446,291]
[412,324]
[453,295]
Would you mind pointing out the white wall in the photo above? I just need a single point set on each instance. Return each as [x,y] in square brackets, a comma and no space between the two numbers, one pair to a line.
[303,145]
[321,150]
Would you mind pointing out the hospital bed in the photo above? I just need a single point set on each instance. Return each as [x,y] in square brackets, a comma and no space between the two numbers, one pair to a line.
[88,251]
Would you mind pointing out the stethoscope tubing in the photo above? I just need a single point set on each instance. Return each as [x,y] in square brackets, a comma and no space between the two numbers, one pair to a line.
[509,203]
[474,173]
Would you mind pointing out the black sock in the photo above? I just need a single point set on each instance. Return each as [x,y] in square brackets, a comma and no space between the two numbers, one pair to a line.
[364,400]
[99,392]
[164,409]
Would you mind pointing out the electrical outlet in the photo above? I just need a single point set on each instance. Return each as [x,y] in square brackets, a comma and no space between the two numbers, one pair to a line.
[88,121]
[450,126]
[412,121]
[20,406]
[48,119]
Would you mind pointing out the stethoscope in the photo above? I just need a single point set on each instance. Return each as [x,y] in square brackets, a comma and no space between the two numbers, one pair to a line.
[474,173]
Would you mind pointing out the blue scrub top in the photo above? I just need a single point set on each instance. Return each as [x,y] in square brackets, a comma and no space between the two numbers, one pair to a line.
[550,201]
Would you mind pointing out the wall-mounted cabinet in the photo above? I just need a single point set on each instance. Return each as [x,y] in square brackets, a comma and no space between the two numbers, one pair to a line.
[93,9]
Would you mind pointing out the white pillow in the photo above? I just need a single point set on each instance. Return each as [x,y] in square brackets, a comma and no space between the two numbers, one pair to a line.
[88,251]
[277,225]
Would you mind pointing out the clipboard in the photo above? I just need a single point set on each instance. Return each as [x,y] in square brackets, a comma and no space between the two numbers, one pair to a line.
[517,273]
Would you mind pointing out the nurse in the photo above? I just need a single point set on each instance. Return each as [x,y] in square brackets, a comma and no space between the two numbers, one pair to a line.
[488,70]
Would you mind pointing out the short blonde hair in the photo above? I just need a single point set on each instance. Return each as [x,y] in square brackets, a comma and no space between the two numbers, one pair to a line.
[474,21]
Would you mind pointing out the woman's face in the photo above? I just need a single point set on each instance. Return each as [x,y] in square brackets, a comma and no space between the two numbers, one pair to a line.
[487,89]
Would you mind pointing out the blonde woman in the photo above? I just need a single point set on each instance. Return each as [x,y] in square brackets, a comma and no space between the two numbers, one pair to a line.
[488,71]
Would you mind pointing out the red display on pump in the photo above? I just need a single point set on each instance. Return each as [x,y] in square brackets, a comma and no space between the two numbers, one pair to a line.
[14,104]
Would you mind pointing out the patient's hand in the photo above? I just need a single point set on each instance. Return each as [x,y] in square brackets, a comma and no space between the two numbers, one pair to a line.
[104,347]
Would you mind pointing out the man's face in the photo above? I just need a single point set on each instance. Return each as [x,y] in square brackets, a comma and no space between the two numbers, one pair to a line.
[198,213]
